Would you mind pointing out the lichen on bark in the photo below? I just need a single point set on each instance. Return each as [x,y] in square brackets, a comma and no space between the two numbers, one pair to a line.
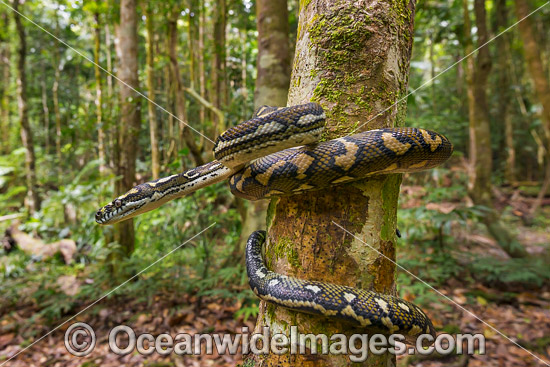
[353,59]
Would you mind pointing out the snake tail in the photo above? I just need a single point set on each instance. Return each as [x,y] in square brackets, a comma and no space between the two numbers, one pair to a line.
[365,309]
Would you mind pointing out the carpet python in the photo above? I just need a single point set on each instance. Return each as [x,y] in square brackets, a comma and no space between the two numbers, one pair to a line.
[277,153]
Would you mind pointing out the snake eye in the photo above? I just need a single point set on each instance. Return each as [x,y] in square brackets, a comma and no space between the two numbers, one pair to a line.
[118,203]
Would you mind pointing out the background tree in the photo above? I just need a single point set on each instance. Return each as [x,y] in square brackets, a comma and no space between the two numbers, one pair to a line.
[33,200]
[480,157]
[155,159]
[542,87]
[130,105]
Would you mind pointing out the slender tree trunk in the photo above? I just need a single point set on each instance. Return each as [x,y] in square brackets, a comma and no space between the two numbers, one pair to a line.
[192,39]
[108,112]
[202,71]
[542,86]
[130,119]
[46,113]
[55,98]
[353,58]
[170,106]
[4,92]
[219,90]
[477,74]
[99,97]
[153,131]
[179,93]
[33,200]
[272,83]
[56,110]
[504,89]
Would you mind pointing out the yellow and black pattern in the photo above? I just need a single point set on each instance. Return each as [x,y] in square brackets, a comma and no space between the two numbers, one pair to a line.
[258,159]
[271,129]
[313,167]
[379,312]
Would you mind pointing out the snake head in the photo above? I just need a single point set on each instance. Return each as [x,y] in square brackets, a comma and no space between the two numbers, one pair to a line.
[138,200]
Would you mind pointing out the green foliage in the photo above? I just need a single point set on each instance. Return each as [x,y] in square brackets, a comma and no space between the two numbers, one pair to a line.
[519,272]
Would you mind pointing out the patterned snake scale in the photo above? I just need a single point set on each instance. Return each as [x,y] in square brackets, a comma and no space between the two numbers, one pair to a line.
[276,153]
[379,312]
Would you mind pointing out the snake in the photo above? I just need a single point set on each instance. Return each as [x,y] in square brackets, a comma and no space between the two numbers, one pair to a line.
[277,153]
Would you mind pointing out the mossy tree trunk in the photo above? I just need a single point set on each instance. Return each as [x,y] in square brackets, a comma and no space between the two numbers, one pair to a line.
[352,58]
[477,75]
[32,200]
[273,64]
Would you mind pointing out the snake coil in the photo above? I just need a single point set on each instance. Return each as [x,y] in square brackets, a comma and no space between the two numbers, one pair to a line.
[274,154]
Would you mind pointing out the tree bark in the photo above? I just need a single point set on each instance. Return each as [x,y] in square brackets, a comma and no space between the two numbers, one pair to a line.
[46,113]
[55,98]
[219,90]
[477,74]
[109,105]
[99,97]
[130,110]
[504,89]
[353,58]
[542,86]
[153,130]
[33,200]
[4,93]
[196,152]
[272,82]
[202,67]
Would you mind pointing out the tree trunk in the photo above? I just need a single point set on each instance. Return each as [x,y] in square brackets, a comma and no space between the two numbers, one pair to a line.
[130,119]
[179,92]
[477,74]
[4,92]
[542,86]
[46,113]
[202,71]
[109,114]
[504,89]
[33,200]
[219,90]
[56,110]
[353,58]
[272,82]
[99,97]
[153,130]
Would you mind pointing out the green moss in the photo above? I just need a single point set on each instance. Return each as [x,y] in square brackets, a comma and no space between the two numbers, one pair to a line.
[285,248]
[390,192]
[270,311]
[304,3]
[271,210]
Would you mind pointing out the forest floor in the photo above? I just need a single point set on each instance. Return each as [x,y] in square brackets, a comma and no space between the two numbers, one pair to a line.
[523,314]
